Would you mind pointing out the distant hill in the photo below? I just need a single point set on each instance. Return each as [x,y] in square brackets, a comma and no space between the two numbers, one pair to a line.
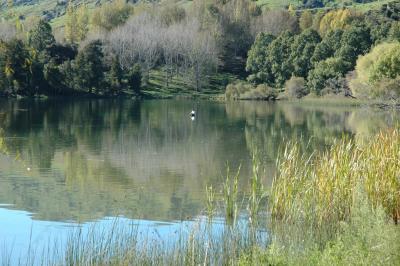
[53,9]
[48,9]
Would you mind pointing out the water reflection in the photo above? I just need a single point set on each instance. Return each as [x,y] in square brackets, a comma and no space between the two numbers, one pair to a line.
[91,159]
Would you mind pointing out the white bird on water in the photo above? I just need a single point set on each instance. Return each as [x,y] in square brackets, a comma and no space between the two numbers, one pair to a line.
[192,115]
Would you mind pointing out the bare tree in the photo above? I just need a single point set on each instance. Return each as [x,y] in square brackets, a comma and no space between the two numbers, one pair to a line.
[181,48]
[274,22]
[7,31]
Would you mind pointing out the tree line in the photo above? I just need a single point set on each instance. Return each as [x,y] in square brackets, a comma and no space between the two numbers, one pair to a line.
[324,55]
[40,65]
[116,47]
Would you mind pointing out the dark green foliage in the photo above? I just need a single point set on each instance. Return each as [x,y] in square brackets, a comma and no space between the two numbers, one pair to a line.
[54,78]
[302,50]
[279,52]
[89,68]
[257,61]
[135,79]
[355,41]
[269,61]
[328,46]
[61,53]
[41,36]
[114,77]
[331,68]
[15,65]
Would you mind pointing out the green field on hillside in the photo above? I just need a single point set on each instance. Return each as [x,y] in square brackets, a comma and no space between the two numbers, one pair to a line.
[55,10]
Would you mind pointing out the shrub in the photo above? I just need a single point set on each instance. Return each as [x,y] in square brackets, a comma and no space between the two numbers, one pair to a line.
[378,73]
[295,87]
[246,91]
[325,70]
[337,86]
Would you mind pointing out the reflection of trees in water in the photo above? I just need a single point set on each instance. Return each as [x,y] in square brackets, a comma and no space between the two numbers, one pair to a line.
[270,126]
[94,158]
[97,158]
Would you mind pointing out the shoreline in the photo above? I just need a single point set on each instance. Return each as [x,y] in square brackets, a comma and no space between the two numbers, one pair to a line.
[311,100]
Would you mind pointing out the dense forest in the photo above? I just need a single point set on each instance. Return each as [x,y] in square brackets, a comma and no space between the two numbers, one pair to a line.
[255,50]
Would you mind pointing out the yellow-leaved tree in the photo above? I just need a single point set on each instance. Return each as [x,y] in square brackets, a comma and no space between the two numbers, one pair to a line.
[336,19]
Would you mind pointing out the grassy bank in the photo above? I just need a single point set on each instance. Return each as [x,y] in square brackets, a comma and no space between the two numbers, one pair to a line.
[177,87]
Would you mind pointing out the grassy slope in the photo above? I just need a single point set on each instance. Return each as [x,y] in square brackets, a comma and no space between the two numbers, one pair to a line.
[177,88]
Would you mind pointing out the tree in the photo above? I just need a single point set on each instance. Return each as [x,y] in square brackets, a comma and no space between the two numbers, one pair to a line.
[275,22]
[302,50]
[354,42]
[328,69]
[135,78]
[70,29]
[306,20]
[61,52]
[335,19]
[82,22]
[279,56]
[7,31]
[15,67]
[257,61]
[328,46]
[41,36]
[54,78]
[89,68]
[115,76]
[378,73]
[172,14]
[111,15]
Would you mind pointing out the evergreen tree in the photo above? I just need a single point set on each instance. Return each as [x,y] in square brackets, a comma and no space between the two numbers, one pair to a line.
[15,63]
[41,36]
[328,46]
[89,68]
[115,76]
[278,55]
[258,63]
[135,78]
[302,50]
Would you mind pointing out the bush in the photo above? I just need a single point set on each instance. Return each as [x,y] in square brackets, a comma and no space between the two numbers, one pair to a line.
[295,88]
[330,68]
[337,86]
[378,73]
[245,91]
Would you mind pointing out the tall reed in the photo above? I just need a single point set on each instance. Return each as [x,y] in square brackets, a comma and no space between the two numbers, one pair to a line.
[230,195]
[211,202]
[319,189]
[257,193]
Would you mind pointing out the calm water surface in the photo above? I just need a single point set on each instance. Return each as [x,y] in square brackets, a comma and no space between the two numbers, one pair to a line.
[69,162]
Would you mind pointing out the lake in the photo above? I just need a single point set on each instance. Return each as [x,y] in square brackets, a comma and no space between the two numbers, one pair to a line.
[69,163]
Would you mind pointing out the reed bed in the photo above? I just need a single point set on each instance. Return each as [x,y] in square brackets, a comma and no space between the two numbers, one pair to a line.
[126,245]
[320,189]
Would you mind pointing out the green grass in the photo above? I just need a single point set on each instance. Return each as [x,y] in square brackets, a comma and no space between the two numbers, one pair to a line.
[177,87]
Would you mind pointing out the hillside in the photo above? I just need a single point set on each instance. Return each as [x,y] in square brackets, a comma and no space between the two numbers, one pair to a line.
[53,9]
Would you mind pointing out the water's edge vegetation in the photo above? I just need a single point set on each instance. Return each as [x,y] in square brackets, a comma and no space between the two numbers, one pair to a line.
[337,207]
